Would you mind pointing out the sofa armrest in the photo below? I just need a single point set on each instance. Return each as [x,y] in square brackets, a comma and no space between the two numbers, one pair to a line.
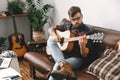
[39,61]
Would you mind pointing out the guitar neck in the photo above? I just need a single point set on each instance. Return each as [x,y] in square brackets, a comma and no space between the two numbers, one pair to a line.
[14,24]
[73,39]
[96,37]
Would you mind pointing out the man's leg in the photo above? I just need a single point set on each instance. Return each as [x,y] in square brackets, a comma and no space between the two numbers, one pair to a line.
[56,54]
[66,69]
[64,72]
[54,50]
[56,67]
[75,62]
[59,57]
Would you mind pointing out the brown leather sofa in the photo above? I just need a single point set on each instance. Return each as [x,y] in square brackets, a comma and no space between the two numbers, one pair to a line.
[43,63]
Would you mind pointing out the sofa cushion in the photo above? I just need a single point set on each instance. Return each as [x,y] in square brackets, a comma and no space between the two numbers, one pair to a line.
[39,61]
[107,67]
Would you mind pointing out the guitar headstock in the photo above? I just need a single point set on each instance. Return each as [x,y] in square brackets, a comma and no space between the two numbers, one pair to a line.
[97,37]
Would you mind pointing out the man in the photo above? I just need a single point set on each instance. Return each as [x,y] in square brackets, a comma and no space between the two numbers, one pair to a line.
[66,61]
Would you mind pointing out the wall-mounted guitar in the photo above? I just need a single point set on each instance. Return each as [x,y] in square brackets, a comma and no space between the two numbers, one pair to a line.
[16,41]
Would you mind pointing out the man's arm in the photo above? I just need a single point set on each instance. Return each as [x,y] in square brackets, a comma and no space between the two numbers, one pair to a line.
[82,43]
[84,51]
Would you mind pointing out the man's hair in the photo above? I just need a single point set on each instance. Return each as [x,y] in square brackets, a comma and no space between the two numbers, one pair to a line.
[73,10]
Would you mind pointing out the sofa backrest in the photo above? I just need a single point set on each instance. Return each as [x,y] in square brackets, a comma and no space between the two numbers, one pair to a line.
[110,37]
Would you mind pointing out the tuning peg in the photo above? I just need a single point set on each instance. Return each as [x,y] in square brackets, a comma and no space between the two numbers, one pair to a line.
[100,41]
[97,41]
[98,33]
[94,41]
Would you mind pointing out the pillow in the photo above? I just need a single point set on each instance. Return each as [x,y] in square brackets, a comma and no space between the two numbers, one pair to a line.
[107,67]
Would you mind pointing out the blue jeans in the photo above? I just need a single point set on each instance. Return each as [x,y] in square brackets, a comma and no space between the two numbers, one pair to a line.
[58,56]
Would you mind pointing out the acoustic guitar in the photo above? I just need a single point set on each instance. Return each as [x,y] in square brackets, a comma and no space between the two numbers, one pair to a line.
[16,41]
[67,39]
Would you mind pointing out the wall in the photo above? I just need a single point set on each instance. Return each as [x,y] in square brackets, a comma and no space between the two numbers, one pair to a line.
[105,13]
[6,24]
[23,25]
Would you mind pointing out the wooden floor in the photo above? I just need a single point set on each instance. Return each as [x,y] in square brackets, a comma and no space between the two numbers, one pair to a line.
[24,69]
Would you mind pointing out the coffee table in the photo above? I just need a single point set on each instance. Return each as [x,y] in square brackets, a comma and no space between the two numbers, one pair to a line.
[15,64]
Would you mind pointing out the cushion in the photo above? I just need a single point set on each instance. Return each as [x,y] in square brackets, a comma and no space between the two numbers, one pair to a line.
[107,67]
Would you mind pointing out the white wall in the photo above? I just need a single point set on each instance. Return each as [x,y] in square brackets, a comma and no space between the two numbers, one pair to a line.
[104,13]
[6,24]
[23,26]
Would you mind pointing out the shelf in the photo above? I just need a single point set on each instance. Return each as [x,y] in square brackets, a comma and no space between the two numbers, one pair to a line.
[17,15]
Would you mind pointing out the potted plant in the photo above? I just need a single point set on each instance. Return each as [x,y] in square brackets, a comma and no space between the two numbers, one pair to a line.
[16,7]
[37,13]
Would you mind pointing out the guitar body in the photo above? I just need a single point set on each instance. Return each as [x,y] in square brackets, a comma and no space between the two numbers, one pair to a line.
[65,46]
[17,44]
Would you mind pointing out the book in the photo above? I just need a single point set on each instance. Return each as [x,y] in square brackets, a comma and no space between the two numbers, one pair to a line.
[9,74]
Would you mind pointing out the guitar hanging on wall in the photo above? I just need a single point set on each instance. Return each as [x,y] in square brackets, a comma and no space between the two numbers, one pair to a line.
[16,41]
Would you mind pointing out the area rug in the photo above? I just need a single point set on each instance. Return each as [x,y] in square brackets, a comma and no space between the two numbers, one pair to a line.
[24,70]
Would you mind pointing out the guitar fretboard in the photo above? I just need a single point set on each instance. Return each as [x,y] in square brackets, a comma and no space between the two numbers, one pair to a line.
[73,39]
[14,24]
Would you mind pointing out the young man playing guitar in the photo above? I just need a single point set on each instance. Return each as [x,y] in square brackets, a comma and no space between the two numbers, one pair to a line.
[66,61]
